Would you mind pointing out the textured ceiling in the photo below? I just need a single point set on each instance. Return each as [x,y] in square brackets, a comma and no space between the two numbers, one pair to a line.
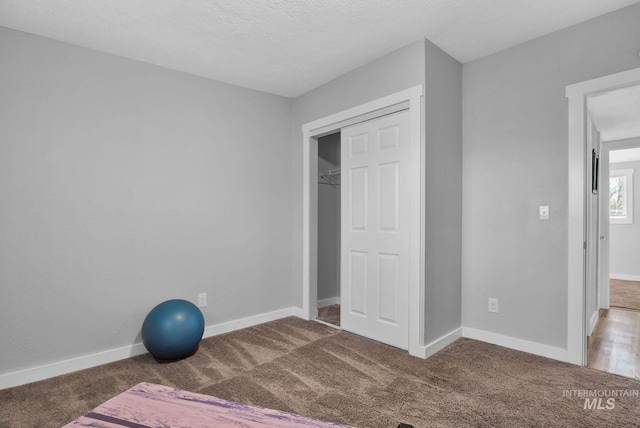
[288,47]
[616,113]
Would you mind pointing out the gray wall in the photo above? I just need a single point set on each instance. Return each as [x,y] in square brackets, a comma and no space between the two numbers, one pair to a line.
[443,190]
[124,184]
[515,159]
[624,244]
[328,220]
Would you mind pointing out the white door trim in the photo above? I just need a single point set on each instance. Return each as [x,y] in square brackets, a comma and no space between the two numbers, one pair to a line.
[603,240]
[311,131]
[576,218]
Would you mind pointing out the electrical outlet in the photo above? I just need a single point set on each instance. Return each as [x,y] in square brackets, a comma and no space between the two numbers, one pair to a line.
[493,305]
[202,300]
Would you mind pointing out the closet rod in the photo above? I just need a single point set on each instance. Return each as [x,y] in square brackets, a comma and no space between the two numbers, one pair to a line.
[335,171]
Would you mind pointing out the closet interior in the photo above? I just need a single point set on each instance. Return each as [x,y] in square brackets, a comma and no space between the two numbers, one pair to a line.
[329,229]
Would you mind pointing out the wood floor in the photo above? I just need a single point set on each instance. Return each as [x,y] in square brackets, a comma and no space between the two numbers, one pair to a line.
[624,294]
[614,345]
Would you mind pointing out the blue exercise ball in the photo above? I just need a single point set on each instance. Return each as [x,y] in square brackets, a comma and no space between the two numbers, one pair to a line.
[172,329]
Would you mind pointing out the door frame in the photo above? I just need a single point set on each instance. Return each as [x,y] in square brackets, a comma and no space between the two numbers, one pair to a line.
[599,286]
[592,280]
[577,263]
[410,98]
[604,229]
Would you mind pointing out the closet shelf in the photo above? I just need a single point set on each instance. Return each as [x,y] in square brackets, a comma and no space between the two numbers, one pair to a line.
[330,177]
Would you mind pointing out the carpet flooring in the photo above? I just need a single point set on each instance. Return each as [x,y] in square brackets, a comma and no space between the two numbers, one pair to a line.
[624,294]
[317,371]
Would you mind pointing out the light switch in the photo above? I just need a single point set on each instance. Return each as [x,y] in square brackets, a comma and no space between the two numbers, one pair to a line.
[543,213]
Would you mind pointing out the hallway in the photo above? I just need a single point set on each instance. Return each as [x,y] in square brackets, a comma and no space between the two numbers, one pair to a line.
[615,343]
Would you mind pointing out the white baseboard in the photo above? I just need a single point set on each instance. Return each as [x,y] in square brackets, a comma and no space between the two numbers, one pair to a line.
[328,302]
[337,327]
[34,374]
[71,365]
[624,277]
[229,326]
[593,321]
[428,350]
[297,312]
[553,352]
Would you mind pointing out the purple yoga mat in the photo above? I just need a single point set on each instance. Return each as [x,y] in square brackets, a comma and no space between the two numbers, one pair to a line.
[147,405]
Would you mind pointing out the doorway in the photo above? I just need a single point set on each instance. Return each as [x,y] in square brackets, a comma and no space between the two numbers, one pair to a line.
[614,343]
[329,178]
[578,260]
[410,99]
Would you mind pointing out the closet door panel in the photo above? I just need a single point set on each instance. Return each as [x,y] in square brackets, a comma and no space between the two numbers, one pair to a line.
[375,229]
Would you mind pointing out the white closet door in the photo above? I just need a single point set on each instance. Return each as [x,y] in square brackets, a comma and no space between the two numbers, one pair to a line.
[375,229]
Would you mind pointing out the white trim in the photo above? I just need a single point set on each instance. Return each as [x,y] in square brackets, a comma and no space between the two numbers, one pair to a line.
[428,350]
[604,260]
[593,320]
[241,323]
[309,226]
[328,302]
[624,277]
[576,218]
[314,129]
[297,312]
[577,95]
[627,173]
[337,327]
[366,111]
[604,83]
[517,344]
[46,371]
[330,128]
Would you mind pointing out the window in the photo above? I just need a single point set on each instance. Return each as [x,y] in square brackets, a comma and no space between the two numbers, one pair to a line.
[621,196]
